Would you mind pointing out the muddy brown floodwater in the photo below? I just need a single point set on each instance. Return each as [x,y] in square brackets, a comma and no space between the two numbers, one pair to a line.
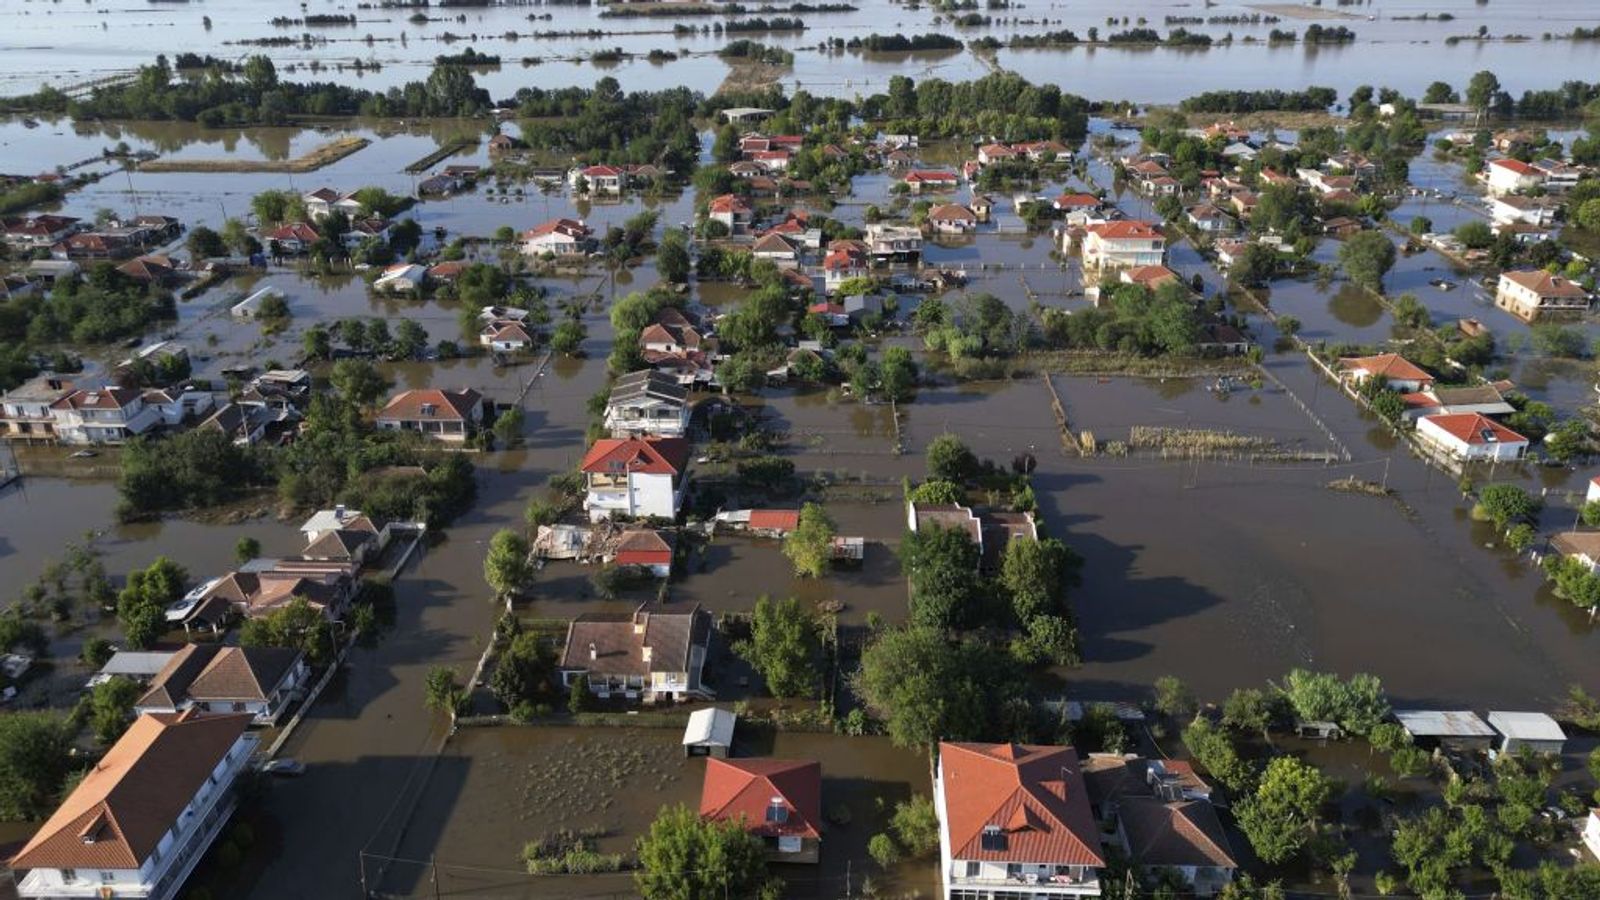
[495,789]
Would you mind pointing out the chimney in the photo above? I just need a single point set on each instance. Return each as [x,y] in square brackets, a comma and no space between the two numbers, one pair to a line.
[338,513]
[593,653]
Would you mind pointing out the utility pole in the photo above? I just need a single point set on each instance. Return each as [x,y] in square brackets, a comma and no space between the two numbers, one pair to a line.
[433,862]
[1386,473]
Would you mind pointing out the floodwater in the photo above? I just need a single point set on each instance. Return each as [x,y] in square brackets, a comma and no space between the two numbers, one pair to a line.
[495,789]
[1393,46]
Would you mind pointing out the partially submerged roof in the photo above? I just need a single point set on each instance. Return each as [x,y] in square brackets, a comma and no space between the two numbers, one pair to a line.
[1526,726]
[133,796]
[1442,723]
[711,727]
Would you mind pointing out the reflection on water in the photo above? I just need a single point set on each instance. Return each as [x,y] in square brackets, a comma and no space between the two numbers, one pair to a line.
[1354,306]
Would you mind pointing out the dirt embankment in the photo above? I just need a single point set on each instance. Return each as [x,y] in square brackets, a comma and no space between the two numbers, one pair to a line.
[327,154]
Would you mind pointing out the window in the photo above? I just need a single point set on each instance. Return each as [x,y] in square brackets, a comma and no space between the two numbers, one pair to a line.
[69,876]
[107,877]
[1013,870]
[993,838]
[238,707]
[973,868]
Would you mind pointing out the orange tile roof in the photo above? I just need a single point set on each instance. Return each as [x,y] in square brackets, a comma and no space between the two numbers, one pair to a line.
[1388,366]
[119,812]
[448,405]
[1545,284]
[775,519]
[1475,428]
[643,547]
[1034,794]
[1125,229]
[729,203]
[648,456]
[744,789]
[1515,165]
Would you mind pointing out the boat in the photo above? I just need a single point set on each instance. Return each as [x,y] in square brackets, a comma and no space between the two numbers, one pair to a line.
[1443,284]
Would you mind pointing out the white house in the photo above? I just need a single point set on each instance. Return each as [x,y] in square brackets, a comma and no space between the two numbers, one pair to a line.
[108,415]
[1014,821]
[952,218]
[893,242]
[1511,176]
[1183,838]
[1471,437]
[600,179]
[647,403]
[1591,833]
[144,815]
[635,477]
[401,278]
[505,336]
[1123,243]
[560,237]
[1513,208]
[437,414]
[1394,370]
[213,679]
[732,211]
[1527,294]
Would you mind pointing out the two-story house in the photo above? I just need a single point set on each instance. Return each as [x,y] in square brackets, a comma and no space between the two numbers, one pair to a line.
[732,211]
[213,679]
[144,815]
[893,243]
[1122,244]
[558,237]
[442,415]
[636,477]
[647,403]
[658,652]
[25,410]
[109,415]
[1528,294]
[1014,821]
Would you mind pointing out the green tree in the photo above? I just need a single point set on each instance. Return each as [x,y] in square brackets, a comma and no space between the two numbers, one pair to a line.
[316,343]
[506,567]
[1173,698]
[1215,752]
[1366,258]
[441,692]
[111,707]
[672,258]
[358,381]
[1356,705]
[35,755]
[942,566]
[810,545]
[783,647]
[410,340]
[925,688]
[1482,89]
[1255,266]
[1281,816]
[1588,215]
[936,493]
[950,460]
[685,856]
[141,606]
[1249,709]
[204,243]
[578,694]
[296,624]
[568,337]
[524,672]
[246,549]
[1035,575]
[1505,504]
[897,374]
[915,824]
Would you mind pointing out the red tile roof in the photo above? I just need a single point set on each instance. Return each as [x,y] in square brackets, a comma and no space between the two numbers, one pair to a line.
[569,227]
[775,519]
[745,789]
[648,456]
[729,203]
[1475,428]
[643,547]
[1077,201]
[1125,230]
[447,405]
[1515,165]
[920,175]
[1545,284]
[1033,794]
[1388,366]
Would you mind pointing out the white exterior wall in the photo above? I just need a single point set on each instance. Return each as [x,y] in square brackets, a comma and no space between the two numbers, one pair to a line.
[1499,451]
[643,495]
[161,876]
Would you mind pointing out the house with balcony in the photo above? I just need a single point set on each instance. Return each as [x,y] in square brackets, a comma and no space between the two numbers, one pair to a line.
[25,410]
[213,679]
[1122,244]
[845,260]
[441,415]
[1534,292]
[144,815]
[1014,821]
[732,211]
[635,477]
[893,243]
[1511,176]
[658,652]
[647,403]
[109,415]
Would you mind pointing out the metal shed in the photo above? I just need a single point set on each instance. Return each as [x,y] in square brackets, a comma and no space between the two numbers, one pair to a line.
[1458,729]
[710,732]
[1533,731]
